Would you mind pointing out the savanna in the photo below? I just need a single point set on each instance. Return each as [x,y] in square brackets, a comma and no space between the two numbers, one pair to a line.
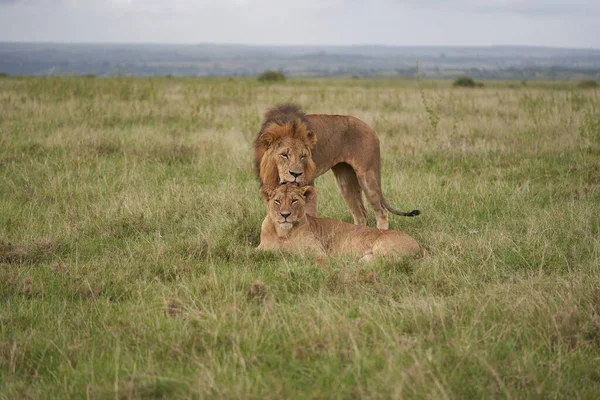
[130,214]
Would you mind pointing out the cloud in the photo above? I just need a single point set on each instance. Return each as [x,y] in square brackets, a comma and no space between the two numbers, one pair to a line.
[190,5]
[530,8]
[393,22]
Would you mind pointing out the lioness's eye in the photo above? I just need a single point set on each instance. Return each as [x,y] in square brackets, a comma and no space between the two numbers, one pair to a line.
[303,157]
[284,155]
[294,201]
[277,202]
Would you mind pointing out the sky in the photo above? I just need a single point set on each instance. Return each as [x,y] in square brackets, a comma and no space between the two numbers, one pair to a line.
[560,23]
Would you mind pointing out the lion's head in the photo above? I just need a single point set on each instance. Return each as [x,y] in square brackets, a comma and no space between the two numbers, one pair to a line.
[286,203]
[283,147]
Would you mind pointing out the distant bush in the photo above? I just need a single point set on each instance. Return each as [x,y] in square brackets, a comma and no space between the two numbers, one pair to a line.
[3,74]
[587,84]
[90,76]
[466,81]
[271,76]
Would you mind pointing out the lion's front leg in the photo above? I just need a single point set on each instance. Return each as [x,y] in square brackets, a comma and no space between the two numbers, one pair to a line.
[368,257]
[268,245]
[351,192]
[311,206]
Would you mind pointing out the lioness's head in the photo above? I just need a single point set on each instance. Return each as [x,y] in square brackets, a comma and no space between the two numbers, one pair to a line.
[286,203]
[283,153]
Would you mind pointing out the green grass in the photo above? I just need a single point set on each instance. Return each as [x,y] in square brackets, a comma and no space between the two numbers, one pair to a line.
[129,213]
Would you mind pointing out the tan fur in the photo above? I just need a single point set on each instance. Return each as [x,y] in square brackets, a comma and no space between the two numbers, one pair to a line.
[287,228]
[344,144]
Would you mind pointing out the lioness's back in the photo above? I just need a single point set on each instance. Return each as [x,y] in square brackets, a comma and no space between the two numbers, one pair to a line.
[341,238]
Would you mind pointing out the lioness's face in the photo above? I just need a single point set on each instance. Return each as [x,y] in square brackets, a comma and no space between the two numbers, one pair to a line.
[286,203]
[292,157]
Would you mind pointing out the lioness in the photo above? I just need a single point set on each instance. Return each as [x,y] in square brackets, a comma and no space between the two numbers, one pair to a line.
[287,227]
[295,147]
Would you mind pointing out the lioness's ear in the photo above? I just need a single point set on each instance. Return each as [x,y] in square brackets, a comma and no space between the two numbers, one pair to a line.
[266,192]
[308,192]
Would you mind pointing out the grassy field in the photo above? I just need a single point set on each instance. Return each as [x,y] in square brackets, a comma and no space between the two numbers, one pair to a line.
[129,214]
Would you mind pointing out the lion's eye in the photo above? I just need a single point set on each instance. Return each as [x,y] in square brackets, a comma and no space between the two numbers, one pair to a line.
[277,202]
[294,201]
[303,157]
[284,155]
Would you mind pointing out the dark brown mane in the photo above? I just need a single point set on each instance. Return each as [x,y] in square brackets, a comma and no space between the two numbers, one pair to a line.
[293,122]
[283,114]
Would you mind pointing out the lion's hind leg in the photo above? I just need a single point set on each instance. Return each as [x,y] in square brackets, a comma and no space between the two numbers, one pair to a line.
[396,244]
[369,181]
[351,192]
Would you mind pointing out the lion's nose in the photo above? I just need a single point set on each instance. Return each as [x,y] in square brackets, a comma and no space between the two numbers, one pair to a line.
[285,215]
[295,174]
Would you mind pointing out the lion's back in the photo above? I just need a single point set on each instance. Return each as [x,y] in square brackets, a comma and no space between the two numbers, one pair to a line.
[341,137]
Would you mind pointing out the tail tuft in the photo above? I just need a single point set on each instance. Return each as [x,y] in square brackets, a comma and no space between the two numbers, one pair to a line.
[385,205]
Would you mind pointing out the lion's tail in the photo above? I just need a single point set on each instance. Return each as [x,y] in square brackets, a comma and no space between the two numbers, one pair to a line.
[413,213]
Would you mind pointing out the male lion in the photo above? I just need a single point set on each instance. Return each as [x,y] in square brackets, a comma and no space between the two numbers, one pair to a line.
[295,147]
[287,227]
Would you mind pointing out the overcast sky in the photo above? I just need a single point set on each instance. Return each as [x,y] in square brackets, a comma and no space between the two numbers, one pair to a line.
[560,23]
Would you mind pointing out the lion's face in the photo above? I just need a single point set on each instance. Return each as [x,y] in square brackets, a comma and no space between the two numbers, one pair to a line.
[292,158]
[284,154]
[286,203]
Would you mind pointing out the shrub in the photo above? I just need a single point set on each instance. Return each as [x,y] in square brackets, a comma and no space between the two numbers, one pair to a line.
[466,81]
[271,76]
[587,84]
[3,74]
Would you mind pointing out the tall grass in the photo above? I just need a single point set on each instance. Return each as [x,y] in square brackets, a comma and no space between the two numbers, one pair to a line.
[129,214]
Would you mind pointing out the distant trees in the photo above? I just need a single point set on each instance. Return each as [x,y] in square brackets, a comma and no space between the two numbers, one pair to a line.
[271,76]
[466,81]
[587,84]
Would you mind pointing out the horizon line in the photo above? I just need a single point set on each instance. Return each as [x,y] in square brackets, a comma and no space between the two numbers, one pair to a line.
[292,44]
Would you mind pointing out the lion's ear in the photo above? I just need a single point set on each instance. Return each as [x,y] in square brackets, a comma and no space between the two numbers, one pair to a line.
[267,139]
[270,134]
[266,192]
[308,192]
